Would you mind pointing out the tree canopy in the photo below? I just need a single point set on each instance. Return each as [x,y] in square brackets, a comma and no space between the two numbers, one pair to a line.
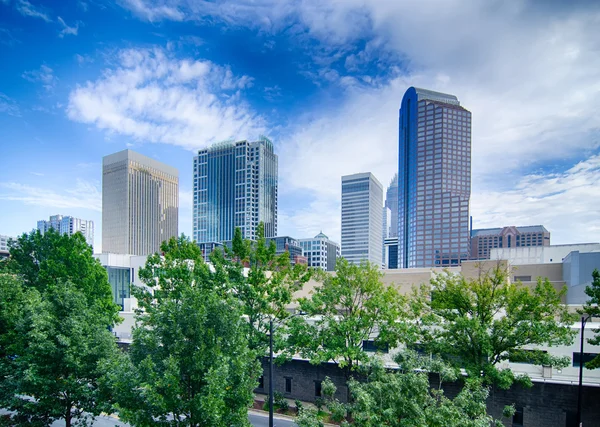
[189,362]
[56,312]
[592,308]
[347,309]
[479,323]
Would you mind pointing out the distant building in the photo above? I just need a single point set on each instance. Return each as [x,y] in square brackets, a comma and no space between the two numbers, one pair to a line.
[391,202]
[362,224]
[68,225]
[486,239]
[553,254]
[207,248]
[387,219]
[320,252]
[434,180]
[235,185]
[390,253]
[140,203]
[290,245]
[4,246]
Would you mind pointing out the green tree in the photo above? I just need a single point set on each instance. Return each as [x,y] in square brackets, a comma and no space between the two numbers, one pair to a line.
[265,284]
[189,363]
[592,308]
[347,309]
[56,312]
[45,260]
[62,341]
[405,398]
[477,324]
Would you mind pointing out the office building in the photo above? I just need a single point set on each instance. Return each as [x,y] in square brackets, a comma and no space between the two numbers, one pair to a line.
[68,225]
[362,214]
[390,253]
[4,246]
[434,180]
[235,185]
[140,203]
[484,240]
[320,252]
[391,202]
[290,245]
[552,254]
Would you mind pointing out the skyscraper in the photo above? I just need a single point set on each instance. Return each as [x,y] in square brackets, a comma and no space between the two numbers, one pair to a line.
[434,180]
[68,225]
[140,203]
[235,185]
[362,218]
[391,202]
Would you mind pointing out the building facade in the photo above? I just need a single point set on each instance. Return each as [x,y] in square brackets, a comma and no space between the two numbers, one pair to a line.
[362,218]
[235,185]
[434,180]
[540,254]
[68,225]
[391,202]
[390,252]
[290,245]
[4,246]
[320,252]
[486,239]
[140,203]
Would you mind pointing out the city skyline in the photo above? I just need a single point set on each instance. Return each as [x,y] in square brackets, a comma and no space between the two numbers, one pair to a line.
[325,93]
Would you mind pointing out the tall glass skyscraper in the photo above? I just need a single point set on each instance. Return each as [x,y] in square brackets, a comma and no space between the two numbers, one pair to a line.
[434,180]
[362,218]
[235,185]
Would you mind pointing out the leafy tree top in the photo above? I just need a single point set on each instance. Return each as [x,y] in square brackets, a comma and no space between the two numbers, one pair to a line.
[592,309]
[478,323]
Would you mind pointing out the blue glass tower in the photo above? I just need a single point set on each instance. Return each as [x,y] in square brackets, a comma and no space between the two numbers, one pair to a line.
[434,180]
[235,185]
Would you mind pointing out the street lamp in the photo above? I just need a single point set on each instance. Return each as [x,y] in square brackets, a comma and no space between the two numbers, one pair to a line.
[580,390]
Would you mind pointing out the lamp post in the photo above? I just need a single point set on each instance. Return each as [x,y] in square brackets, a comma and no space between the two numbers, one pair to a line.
[270,372]
[580,389]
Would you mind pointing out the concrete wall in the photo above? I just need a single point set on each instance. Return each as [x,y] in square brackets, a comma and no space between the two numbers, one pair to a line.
[544,405]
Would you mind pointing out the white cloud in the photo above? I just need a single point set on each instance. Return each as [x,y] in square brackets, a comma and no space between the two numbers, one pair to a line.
[152,13]
[27,9]
[9,106]
[66,29]
[44,75]
[153,97]
[84,195]
[566,203]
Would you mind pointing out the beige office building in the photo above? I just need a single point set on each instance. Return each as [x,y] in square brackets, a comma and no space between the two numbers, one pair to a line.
[140,203]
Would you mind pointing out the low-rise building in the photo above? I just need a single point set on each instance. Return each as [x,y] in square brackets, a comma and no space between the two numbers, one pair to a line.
[321,252]
[290,245]
[483,241]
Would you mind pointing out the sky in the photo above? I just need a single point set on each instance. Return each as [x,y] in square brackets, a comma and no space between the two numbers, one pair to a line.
[322,79]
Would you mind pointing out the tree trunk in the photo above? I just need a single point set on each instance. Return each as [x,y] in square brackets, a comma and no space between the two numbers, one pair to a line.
[68,417]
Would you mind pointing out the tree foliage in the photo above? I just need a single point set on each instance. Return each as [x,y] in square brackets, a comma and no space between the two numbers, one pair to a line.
[405,398]
[592,308]
[56,309]
[45,260]
[189,363]
[347,309]
[477,324]
[264,282]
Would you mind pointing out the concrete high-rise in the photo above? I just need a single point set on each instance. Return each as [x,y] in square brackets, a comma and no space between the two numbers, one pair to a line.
[235,185]
[68,225]
[362,218]
[391,202]
[434,180]
[485,239]
[140,203]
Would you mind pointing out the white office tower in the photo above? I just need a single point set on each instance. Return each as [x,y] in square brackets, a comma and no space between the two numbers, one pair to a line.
[362,218]
[140,203]
[68,225]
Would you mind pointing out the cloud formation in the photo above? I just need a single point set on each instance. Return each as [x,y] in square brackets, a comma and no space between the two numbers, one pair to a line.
[152,96]
[9,106]
[66,29]
[83,195]
[44,75]
[27,9]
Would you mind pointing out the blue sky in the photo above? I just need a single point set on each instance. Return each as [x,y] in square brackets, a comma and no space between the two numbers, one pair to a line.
[324,80]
